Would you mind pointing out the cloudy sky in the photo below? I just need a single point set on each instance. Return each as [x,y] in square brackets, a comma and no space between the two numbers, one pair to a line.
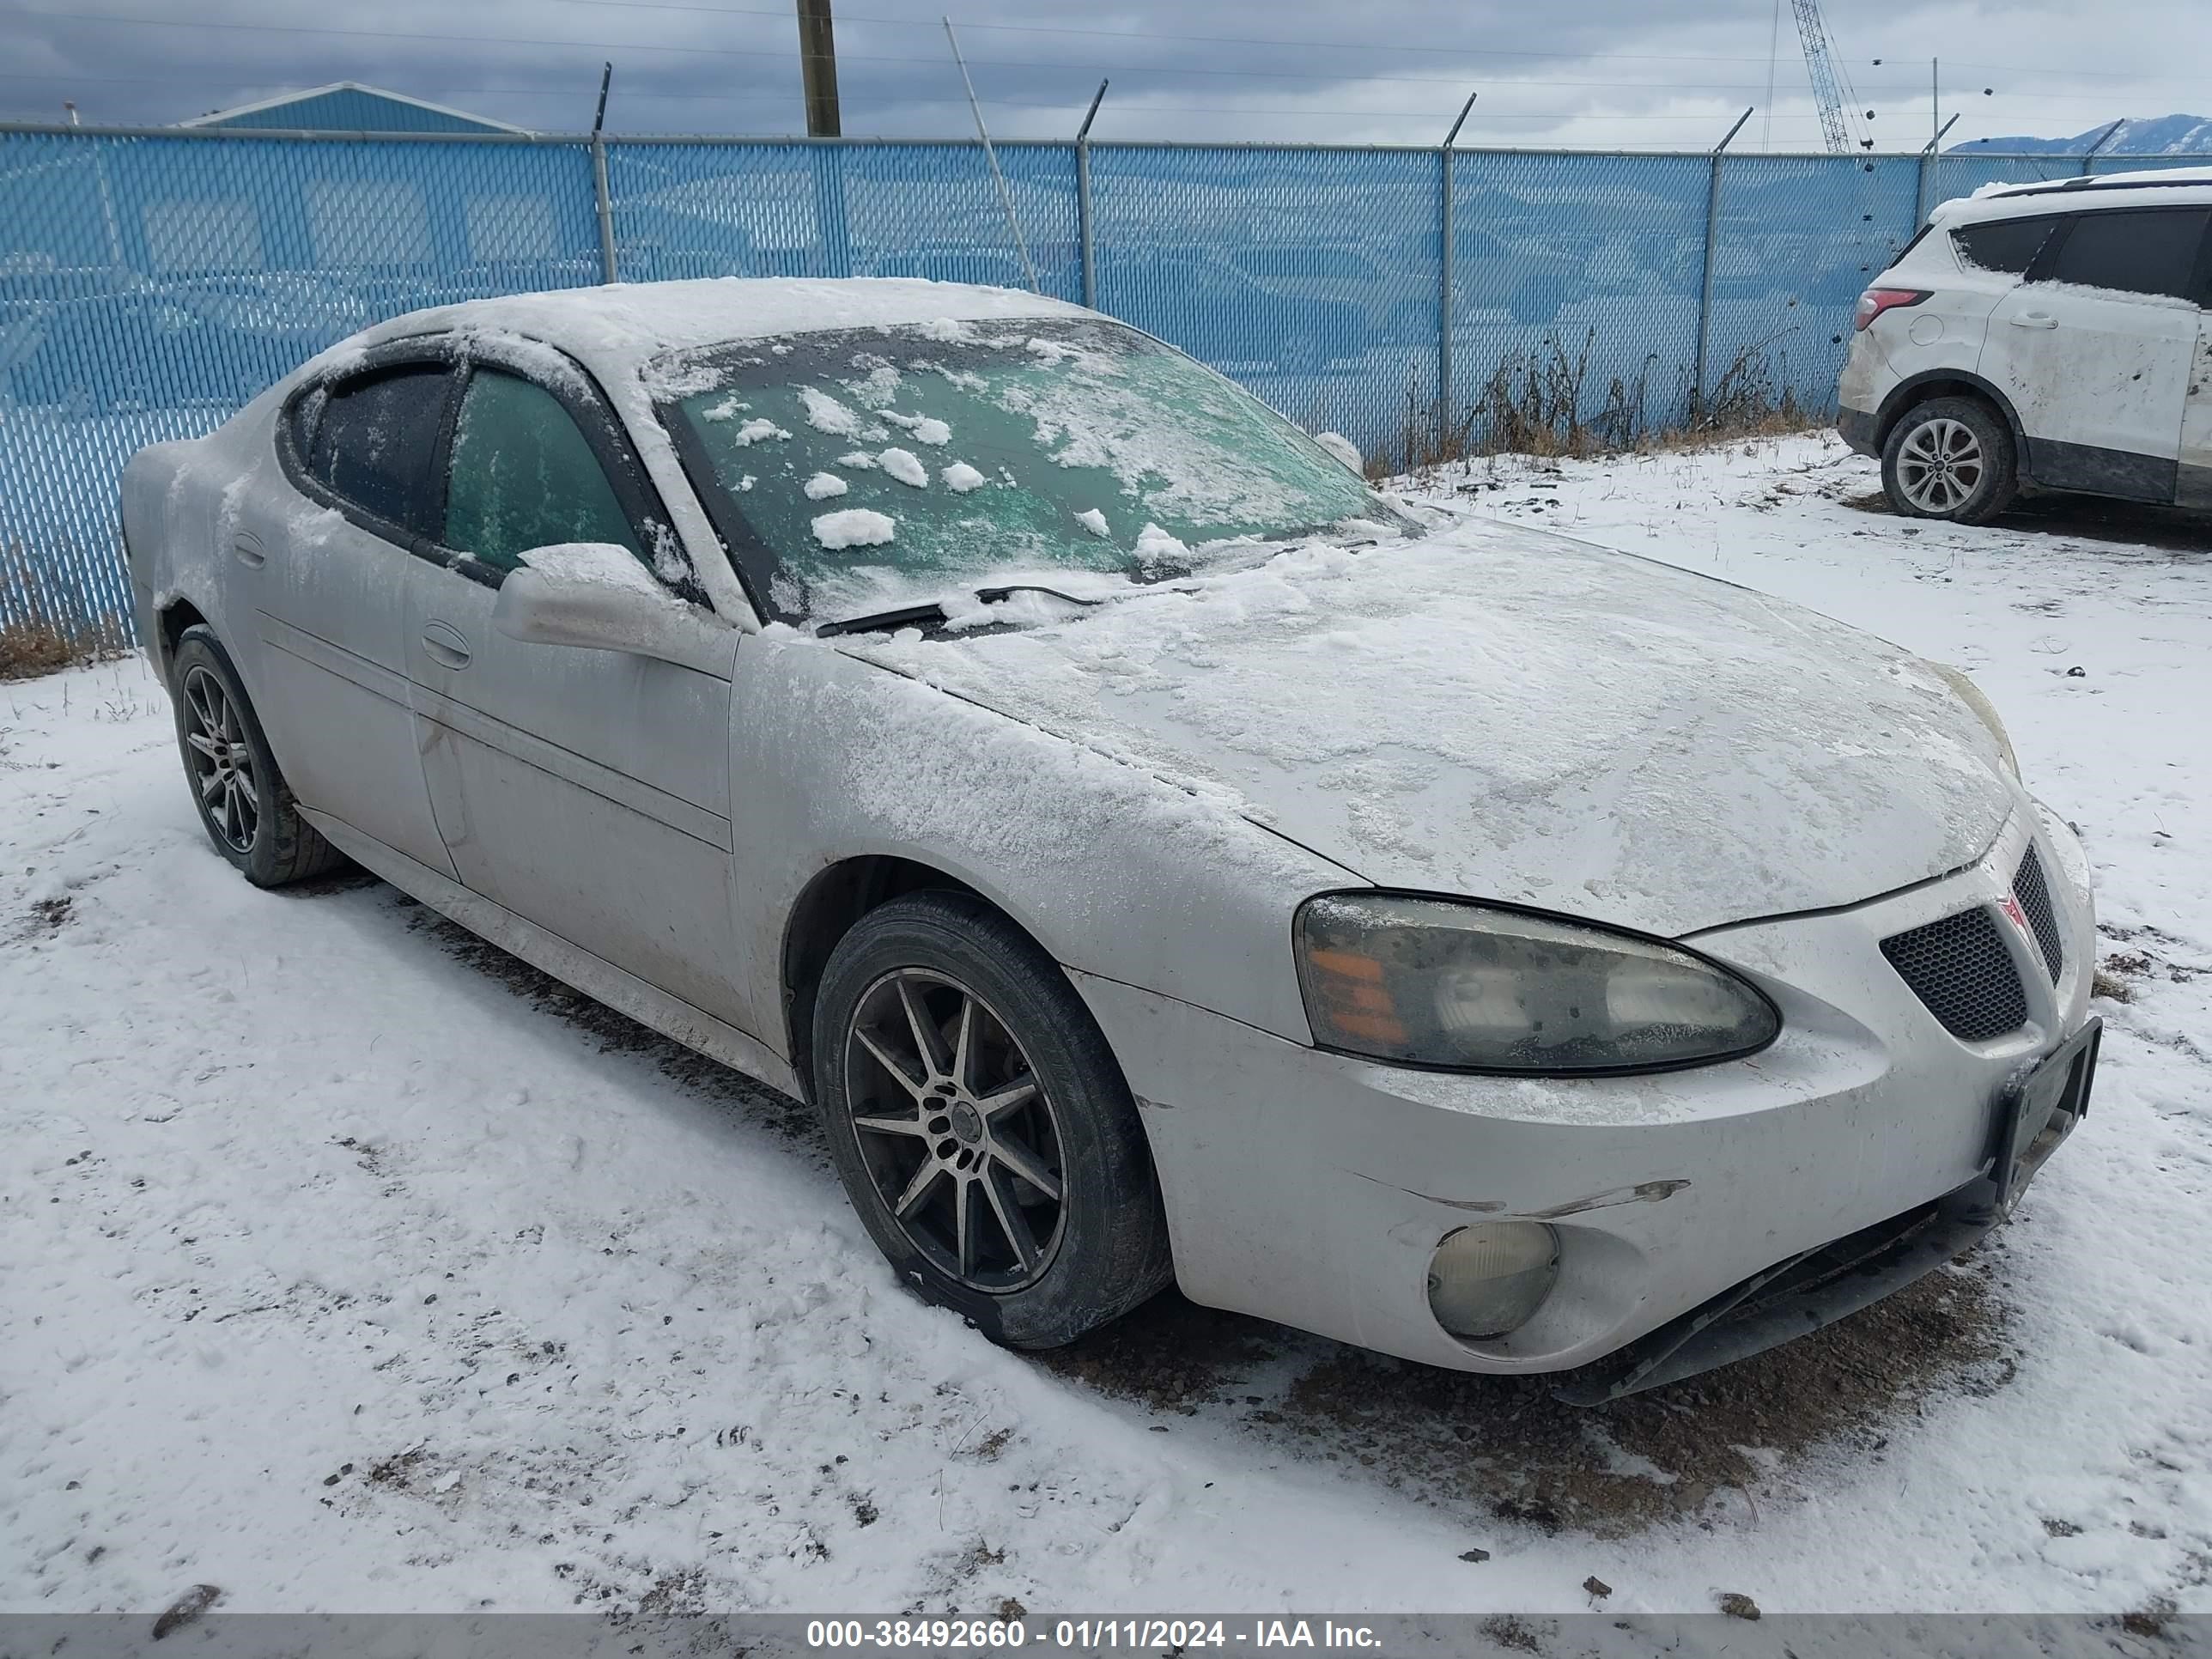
[1629,73]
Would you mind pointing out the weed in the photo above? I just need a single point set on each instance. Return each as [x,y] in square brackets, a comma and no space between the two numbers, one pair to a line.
[43,627]
[1540,400]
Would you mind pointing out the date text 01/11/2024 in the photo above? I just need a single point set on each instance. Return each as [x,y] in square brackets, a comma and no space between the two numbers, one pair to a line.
[1134,1634]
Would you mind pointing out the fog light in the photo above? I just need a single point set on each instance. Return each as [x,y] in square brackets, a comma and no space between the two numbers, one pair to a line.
[1491,1278]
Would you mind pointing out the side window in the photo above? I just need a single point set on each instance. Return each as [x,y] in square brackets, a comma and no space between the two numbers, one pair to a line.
[2006,246]
[523,475]
[373,442]
[2134,250]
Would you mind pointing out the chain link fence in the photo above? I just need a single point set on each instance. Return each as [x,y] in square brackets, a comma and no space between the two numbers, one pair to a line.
[153,280]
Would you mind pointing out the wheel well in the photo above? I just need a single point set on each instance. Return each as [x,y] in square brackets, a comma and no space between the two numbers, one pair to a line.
[180,614]
[836,899]
[1905,400]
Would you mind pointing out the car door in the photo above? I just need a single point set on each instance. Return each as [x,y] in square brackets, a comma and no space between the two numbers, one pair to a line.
[586,791]
[330,616]
[2095,350]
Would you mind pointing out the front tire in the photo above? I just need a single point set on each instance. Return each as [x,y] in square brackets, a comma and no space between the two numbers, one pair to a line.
[1950,458]
[244,804]
[980,1126]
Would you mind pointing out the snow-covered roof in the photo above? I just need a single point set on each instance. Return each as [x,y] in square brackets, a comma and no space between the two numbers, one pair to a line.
[349,106]
[618,329]
[2146,187]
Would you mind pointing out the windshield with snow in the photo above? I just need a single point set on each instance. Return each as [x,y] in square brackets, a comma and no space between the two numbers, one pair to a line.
[866,469]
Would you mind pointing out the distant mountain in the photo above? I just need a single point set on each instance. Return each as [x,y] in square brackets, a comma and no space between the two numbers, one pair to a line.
[2165,135]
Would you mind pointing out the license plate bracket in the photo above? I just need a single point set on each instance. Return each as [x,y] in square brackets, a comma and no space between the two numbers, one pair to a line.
[2042,1110]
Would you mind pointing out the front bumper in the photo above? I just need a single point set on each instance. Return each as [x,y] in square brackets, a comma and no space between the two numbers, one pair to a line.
[1312,1189]
[1794,1297]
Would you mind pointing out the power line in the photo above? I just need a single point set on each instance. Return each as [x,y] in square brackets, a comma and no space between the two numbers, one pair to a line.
[1086,67]
[1427,49]
[1334,76]
[1030,104]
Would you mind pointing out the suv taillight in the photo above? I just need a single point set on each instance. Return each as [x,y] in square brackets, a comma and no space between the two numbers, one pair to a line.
[1875,300]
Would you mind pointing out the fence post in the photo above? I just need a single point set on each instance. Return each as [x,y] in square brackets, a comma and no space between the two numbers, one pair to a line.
[1083,199]
[2089,155]
[1705,279]
[600,198]
[1445,234]
[1924,197]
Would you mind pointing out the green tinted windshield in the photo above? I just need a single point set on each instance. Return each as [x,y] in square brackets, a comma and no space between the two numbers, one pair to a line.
[864,467]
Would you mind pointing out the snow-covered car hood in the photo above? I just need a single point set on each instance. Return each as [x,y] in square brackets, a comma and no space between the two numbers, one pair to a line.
[1505,714]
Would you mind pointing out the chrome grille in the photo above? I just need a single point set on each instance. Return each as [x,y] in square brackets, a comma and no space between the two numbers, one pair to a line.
[2033,893]
[1961,968]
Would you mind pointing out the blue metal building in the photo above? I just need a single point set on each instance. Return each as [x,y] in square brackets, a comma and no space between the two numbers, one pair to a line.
[349,106]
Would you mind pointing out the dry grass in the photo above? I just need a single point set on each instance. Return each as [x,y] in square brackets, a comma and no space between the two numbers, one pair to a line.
[1540,400]
[29,649]
[41,630]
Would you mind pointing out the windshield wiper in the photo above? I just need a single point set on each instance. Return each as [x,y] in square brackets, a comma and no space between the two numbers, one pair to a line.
[999,595]
[931,614]
[879,622]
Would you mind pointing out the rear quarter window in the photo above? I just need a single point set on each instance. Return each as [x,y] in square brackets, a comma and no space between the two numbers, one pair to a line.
[2005,246]
[369,441]
[2133,251]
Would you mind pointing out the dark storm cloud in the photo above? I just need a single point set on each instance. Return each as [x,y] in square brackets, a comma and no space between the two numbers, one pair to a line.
[1661,73]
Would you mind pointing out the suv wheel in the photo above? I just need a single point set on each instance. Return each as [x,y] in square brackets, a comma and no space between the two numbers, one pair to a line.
[981,1124]
[1950,458]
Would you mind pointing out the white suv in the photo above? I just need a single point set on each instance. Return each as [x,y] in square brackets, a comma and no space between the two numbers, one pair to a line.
[2050,336]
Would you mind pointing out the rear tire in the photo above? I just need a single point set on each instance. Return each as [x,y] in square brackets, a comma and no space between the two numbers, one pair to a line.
[244,804]
[981,1124]
[1950,458]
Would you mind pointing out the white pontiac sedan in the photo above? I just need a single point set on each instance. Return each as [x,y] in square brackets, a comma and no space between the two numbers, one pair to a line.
[1156,852]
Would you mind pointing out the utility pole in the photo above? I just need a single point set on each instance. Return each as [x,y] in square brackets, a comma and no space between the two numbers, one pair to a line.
[817,63]
[1934,101]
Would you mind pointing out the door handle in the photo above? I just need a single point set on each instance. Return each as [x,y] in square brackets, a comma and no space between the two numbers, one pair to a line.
[248,549]
[2033,319]
[446,646]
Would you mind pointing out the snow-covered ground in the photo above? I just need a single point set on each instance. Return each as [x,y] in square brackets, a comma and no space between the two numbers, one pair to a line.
[347,1265]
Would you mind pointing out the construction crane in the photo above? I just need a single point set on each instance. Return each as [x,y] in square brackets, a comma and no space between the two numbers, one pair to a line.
[1831,90]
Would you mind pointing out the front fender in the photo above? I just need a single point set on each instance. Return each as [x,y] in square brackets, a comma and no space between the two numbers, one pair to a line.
[1114,873]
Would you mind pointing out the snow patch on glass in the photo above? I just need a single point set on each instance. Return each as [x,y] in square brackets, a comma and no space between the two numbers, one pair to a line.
[904,465]
[925,429]
[1156,546]
[825,414]
[853,526]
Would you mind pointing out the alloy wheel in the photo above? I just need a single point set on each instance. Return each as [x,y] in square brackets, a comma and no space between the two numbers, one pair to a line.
[958,1133]
[1940,465]
[221,763]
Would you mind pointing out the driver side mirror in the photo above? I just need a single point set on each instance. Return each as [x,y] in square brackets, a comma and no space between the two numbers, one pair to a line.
[597,596]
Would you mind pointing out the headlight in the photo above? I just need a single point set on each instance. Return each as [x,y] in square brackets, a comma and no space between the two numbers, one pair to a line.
[1985,710]
[1473,988]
